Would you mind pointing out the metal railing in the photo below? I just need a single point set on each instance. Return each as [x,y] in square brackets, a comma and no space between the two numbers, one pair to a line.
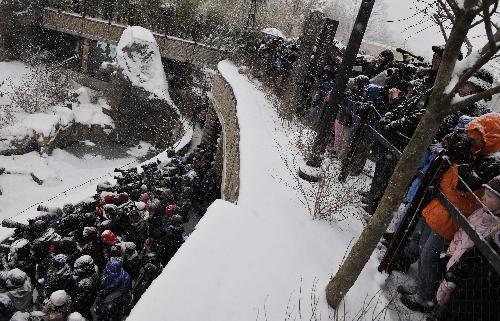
[428,189]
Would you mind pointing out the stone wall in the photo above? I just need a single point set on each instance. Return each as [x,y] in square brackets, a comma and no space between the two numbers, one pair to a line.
[224,104]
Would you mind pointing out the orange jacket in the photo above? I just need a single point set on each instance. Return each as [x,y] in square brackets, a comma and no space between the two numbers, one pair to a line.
[437,216]
[485,131]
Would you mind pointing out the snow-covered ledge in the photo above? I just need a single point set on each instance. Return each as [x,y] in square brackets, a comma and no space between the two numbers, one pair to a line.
[224,103]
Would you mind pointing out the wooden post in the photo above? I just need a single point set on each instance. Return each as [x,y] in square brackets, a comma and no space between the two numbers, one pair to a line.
[85,54]
[325,46]
[312,28]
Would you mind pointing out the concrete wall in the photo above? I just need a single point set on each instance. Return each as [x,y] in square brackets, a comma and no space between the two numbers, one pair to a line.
[224,103]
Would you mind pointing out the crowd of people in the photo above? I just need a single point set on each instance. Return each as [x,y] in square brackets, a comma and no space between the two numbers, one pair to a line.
[454,279]
[93,260]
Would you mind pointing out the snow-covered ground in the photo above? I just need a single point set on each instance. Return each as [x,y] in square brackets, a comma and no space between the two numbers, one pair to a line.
[68,175]
[46,122]
[264,258]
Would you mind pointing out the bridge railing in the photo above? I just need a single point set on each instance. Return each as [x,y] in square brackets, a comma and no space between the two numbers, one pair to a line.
[157,19]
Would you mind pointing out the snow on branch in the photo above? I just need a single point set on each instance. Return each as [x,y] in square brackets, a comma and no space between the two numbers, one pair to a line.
[466,68]
[459,103]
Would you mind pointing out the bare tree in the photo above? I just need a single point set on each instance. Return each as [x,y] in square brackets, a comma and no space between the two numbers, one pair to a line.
[443,101]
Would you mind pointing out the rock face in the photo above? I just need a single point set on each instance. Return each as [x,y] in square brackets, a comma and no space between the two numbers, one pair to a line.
[139,60]
[144,107]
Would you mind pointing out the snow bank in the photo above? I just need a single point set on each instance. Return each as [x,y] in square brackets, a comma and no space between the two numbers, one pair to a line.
[258,259]
[139,58]
[49,122]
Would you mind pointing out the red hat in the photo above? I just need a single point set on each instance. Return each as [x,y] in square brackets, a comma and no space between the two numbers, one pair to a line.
[123,198]
[169,210]
[109,238]
[109,198]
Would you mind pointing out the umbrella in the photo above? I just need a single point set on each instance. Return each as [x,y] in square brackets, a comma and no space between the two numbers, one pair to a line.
[273,32]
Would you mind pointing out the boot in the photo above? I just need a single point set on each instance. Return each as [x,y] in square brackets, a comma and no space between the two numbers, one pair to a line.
[415,303]
[366,200]
[405,289]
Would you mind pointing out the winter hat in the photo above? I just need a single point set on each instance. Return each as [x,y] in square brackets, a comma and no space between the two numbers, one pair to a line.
[68,209]
[59,260]
[16,278]
[109,238]
[115,251]
[386,55]
[59,298]
[176,219]
[109,198]
[169,210]
[494,186]
[123,197]
[75,316]
[84,264]
[487,129]
[141,206]
[144,198]
[89,231]
[38,316]
[20,316]
[482,79]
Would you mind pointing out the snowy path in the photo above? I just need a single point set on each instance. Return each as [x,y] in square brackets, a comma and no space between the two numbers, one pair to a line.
[264,258]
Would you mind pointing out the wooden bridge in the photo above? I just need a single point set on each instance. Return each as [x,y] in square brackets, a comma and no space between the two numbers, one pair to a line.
[100,30]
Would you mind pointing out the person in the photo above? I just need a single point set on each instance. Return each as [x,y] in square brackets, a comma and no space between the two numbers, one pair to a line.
[86,285]
[92,246]
[7,309]
[437,227]
[114,293]
[75,316]
[59,275]
[19,290]
[58,307]
[147,274]
[482,220]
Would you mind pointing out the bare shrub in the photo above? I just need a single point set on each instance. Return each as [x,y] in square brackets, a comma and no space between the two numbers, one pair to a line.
[42,87]
[327,199]
[376,307]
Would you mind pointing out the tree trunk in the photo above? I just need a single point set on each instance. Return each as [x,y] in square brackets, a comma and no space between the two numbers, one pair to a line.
[396,190]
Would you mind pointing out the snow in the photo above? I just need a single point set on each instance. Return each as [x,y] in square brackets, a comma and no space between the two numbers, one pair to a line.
[141,150]
[144,70]
[460,68]
[60,172]
[56,117]
[264,257]
[59,298]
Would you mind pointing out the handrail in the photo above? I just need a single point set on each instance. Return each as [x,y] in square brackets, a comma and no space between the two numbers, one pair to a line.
[485,248]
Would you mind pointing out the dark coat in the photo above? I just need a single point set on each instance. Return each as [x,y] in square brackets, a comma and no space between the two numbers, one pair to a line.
[477,296]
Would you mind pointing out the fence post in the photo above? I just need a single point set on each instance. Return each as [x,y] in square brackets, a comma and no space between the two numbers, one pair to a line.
[364,114]
[85,54]
[312,28]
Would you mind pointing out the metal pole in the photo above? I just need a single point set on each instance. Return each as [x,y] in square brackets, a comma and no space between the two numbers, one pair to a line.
[337,94]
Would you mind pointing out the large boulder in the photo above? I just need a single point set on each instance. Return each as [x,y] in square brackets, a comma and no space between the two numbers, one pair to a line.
[139,62]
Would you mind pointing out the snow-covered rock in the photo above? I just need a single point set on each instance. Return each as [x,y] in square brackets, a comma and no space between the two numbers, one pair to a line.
[139,59]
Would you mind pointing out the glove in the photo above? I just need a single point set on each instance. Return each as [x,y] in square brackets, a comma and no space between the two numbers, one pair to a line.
[444,292]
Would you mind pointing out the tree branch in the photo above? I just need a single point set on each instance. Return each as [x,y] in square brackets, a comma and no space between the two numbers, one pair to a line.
[454,6]
[487,25]
[485,54]
[446,10]
[468,44]
[441,27]
[475,98]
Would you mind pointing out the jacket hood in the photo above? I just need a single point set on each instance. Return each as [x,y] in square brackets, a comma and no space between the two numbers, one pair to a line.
[486,128]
